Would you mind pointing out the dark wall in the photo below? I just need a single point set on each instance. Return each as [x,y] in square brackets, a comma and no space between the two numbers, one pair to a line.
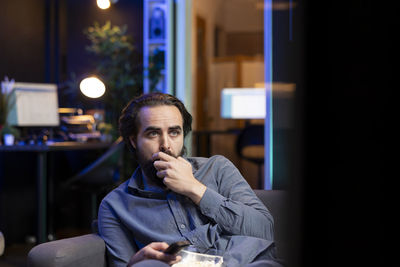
[75,16]
[346,117]
[43,40]
[22,31]
[82,14]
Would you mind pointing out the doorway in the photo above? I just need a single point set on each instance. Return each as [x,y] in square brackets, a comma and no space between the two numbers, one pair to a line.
[201,75]
[201,121]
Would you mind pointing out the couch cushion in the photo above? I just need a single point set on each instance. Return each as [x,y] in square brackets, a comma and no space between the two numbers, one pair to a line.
[82,251]
[276,203]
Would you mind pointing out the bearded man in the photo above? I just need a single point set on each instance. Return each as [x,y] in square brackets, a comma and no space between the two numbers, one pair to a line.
[171,198]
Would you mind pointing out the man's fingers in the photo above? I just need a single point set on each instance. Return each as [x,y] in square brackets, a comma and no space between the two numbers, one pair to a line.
[161,165]
[162,174]
[159,245]
[162,156]
[175,260]
[151,251]
[157,253]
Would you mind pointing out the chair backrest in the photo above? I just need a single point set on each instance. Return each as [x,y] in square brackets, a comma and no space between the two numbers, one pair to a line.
[250,143]
[104,170]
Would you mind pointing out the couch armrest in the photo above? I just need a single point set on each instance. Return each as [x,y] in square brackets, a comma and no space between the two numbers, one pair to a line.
[81,251]
[277,203]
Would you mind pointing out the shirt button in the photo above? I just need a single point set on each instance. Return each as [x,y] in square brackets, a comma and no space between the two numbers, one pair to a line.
[194,239]
[183,226]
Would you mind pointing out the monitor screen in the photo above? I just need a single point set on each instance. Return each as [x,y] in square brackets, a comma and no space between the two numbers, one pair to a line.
[35,104]
[243,103]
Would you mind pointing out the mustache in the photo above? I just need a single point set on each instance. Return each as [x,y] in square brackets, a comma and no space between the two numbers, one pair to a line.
[148,165]
[168,152]
[151,171]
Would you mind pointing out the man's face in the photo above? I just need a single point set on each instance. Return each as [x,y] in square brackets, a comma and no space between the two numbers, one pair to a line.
[160,129]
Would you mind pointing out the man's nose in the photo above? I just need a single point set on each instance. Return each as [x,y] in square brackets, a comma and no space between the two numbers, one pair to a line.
[165,143]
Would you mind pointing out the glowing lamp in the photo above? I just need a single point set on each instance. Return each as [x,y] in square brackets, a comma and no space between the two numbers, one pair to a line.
[103,4]
[92,87]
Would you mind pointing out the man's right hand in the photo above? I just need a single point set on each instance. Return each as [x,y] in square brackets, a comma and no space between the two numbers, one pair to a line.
[154,251]
[178,176]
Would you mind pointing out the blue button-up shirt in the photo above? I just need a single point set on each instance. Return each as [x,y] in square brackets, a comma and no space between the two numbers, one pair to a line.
[228,216]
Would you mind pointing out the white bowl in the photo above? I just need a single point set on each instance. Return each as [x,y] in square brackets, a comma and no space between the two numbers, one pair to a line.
[194,259]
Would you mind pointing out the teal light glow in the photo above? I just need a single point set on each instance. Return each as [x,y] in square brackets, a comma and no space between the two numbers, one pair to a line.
[268,159]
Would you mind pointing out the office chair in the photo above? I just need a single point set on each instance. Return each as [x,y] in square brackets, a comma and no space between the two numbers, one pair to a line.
[98,177]
[250,146]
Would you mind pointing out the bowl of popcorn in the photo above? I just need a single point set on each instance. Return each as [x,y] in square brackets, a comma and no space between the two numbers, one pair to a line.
[192,258]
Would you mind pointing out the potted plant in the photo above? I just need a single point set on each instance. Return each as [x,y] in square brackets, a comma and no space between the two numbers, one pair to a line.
[8,132]
[6,102]
[117,63]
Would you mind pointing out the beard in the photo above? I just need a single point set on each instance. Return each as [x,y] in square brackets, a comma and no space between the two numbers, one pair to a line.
[150,171]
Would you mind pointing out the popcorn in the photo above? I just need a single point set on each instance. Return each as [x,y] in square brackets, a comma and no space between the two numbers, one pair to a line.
[196,263]
[193,259]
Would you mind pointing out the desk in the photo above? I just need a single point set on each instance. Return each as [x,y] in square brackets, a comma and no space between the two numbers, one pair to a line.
[42,177]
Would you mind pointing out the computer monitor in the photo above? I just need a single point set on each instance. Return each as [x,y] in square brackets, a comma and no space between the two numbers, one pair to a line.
[243,103]
[36,105]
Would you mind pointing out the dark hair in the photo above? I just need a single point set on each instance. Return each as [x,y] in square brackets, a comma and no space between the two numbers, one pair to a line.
[129,119]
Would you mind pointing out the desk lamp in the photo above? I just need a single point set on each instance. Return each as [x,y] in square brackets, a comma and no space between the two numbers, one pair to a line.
[92,87]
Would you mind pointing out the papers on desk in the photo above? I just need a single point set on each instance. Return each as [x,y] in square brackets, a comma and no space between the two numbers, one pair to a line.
[84,136]
[80,127]
[80,119]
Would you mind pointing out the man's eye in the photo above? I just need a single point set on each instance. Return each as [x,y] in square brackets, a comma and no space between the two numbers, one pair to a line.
[175,133]
[152,134]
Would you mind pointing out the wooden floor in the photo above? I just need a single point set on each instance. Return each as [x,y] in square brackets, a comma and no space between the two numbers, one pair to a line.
[15,255]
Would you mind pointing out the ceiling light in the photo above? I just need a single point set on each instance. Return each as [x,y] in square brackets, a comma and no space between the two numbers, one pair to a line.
[103,4]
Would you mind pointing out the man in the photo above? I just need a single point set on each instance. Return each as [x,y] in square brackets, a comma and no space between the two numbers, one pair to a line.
[172,198]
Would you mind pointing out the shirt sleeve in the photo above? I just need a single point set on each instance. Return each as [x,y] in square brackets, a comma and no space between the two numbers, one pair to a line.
[234,206]
[119,243]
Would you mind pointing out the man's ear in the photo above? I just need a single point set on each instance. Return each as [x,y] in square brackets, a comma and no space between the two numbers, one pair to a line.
[132,141]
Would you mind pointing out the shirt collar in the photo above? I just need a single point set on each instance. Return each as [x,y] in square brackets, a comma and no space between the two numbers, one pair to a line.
[135,187]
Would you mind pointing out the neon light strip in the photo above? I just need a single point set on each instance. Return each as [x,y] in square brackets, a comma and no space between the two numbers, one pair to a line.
[290,20]
[268,138]
[145,47]
[170,88]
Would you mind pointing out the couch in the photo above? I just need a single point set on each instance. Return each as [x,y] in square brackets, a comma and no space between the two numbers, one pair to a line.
[90,251]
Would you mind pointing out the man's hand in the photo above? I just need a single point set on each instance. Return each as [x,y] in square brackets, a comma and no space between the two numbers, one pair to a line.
[177,175]
[154,251]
